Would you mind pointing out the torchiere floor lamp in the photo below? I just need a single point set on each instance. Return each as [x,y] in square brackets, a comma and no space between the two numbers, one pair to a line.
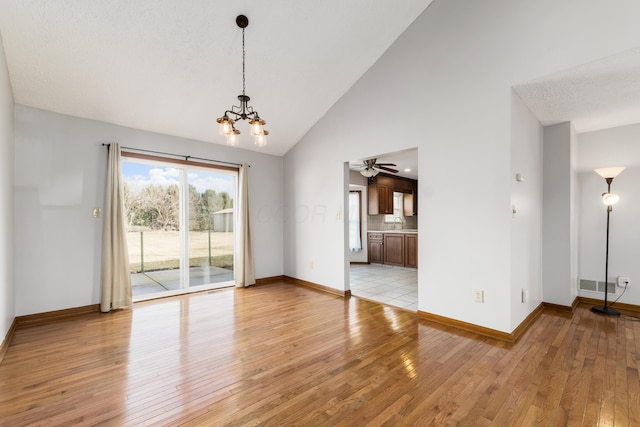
[609,199]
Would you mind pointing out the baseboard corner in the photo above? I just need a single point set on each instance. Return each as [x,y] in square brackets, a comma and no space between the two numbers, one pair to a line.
[316,286]
[7,339]
[465,326]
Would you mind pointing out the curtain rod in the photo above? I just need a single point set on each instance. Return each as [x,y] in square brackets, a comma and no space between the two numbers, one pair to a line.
[186,158]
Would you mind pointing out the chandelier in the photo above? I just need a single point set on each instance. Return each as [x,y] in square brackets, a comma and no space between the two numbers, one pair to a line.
[244,111]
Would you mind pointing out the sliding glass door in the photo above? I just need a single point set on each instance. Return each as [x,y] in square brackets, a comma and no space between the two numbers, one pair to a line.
[180,226]
[211,222]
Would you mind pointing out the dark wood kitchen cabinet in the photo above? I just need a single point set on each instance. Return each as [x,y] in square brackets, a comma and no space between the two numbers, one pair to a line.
[380,191]
[376,248]
[380,198]
[399,249]
[411,250]
[394,249]
[408,205]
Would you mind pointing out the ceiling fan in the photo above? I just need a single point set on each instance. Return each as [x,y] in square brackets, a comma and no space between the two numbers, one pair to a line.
[371,168]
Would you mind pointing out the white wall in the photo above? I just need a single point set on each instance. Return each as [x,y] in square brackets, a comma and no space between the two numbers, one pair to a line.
[60,176]
[611,147]
[526,199]
[7,287]
[558,235]
[574,220]
[444,86]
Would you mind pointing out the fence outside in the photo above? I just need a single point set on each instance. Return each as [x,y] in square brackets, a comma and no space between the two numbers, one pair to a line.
[160,250]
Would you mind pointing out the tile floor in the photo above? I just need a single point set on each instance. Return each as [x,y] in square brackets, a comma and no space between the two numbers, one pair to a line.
[389,285]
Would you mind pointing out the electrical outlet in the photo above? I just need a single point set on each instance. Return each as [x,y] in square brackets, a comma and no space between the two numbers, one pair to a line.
[623,282]
[310,265]
[524,295]
[478,296]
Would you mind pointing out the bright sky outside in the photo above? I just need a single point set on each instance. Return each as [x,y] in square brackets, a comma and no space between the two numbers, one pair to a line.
[139,175]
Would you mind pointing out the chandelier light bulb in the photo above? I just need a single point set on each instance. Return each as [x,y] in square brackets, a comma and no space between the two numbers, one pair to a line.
[261,139]
[257,126]
[226,125]
[232,137]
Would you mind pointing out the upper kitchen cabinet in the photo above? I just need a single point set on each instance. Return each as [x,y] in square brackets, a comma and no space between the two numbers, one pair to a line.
[380,194]
[408,204]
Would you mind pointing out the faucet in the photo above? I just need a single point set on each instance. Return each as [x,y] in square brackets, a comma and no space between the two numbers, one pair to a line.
[396,222]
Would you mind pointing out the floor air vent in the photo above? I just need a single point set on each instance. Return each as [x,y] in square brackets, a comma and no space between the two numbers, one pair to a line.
[596,286]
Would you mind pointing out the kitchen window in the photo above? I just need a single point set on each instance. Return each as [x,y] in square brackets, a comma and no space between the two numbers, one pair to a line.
[355,229]
[398,213]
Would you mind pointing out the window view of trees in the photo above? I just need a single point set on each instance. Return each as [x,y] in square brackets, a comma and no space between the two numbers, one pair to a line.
[159,247]
[155,207]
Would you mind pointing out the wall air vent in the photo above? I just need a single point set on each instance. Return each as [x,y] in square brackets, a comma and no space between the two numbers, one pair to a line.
[596,286]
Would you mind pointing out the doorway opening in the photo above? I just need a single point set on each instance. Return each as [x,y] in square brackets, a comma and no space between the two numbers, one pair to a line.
[393,279]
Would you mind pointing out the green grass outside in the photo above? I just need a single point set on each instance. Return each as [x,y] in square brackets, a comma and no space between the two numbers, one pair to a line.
[161,250]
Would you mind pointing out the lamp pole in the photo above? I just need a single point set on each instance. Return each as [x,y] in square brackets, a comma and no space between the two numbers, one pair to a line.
[606,310]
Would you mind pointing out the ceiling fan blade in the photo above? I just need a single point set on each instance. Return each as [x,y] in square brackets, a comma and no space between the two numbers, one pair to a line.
[384,168]
[386,164]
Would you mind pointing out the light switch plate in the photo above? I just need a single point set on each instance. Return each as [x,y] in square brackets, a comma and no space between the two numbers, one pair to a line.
[97,213]
[478,296]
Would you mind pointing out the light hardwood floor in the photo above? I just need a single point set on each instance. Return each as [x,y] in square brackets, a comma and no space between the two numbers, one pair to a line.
[281,354]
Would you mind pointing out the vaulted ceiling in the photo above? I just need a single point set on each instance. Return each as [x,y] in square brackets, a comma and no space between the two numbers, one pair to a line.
[173,67]
[601,94]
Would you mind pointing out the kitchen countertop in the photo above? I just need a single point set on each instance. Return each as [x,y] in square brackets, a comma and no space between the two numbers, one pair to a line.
[404,230]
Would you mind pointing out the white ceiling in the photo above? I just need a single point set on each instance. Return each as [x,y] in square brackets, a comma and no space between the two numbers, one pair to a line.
[599,95]
[405,159]
[174,66]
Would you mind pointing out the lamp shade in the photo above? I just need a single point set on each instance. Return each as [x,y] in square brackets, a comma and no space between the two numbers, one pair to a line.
[611,172]
[368,172]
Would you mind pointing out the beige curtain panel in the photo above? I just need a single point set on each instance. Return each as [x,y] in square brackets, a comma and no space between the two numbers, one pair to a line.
[116,280]
[245,272]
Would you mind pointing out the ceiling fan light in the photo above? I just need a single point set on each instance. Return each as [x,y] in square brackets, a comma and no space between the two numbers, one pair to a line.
[368,172]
